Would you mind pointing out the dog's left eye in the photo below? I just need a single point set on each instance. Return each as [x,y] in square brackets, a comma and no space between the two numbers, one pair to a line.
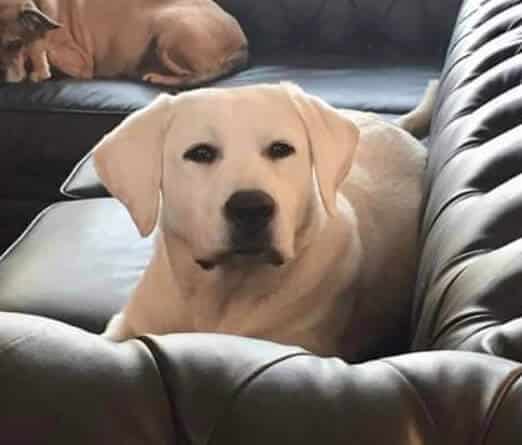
[280,150]
[202,154]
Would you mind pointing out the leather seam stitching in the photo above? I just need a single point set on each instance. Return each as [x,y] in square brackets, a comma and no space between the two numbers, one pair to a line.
[142,341]
[431,337]
[153,349]
[247,381]
[477,331]
[37,219]
[450,204]
[494,408]
[413,390]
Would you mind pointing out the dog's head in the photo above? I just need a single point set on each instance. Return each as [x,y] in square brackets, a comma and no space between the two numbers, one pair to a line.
[21,23]
[241,171]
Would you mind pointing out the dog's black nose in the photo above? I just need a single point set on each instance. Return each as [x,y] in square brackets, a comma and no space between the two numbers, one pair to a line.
[250,209]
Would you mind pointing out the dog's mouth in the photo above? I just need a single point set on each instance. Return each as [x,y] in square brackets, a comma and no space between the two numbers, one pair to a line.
[252,251]
[244,256]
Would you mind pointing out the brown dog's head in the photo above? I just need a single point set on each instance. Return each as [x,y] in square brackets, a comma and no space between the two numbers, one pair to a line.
[21,23]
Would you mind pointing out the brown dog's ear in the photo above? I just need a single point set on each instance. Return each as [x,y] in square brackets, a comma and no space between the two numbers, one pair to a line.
[35,21]
[332,138]
[129,161]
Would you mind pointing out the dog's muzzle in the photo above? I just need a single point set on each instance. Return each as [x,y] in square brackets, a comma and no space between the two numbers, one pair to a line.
[249,214]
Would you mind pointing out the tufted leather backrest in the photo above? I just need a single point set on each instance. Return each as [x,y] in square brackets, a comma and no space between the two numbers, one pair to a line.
[422,26]
[469,293]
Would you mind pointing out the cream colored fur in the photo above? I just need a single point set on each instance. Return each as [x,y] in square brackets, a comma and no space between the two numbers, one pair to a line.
[346,225]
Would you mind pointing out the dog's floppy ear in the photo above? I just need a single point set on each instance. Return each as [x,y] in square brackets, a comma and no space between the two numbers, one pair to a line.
[35,21]
[129,161]
[333,139]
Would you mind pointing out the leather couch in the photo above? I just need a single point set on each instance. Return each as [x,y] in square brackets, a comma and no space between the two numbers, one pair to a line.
[458,378]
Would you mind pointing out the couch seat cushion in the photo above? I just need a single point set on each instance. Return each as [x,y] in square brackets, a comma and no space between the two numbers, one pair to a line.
[77,263]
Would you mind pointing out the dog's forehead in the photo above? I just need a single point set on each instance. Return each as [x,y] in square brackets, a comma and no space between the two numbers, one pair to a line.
[243,101]
[257,109]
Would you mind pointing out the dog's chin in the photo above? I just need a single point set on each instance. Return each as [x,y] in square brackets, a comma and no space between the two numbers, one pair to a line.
[243,257]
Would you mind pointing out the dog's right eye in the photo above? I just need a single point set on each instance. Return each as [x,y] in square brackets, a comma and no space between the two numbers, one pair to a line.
[202,154]
[280,150]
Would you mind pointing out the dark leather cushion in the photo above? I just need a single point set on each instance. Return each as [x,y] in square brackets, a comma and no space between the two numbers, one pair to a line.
[468,292]
[390,82]
[385,82]
[62,386]
[77,262]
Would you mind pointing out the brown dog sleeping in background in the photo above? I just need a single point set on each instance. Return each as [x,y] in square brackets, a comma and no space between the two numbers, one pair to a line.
[170,42]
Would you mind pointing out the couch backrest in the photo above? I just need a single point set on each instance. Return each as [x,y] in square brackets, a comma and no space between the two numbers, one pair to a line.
[346,25]
[470,278]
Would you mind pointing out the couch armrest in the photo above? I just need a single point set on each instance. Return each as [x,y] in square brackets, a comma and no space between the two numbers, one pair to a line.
[61,385]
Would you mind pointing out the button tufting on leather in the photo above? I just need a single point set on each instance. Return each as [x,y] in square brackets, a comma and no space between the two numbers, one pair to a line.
[473,213]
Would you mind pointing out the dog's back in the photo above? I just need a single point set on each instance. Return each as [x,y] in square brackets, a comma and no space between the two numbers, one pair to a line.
[384,188]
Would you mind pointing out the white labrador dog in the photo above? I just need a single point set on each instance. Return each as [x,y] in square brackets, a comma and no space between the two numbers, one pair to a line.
[278,217]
